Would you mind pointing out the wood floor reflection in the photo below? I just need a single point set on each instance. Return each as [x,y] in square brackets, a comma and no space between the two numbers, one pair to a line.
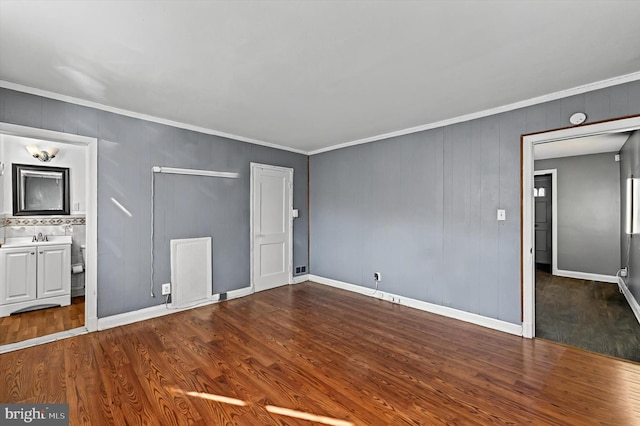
[28,325]
[310,354]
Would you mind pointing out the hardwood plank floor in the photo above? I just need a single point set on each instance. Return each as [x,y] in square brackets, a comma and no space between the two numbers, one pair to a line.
[588,314]
[28,325]
[319,351]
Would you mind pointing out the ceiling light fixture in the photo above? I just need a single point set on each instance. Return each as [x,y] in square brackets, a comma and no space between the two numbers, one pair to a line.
[578,118]
[44,155]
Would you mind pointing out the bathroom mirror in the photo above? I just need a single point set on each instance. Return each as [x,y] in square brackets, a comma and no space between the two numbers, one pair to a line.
[40,190]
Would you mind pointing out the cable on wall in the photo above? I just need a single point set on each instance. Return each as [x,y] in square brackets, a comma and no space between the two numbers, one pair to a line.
[177,171]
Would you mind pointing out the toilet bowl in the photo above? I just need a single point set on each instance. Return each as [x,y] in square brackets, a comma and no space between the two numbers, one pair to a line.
[77,271]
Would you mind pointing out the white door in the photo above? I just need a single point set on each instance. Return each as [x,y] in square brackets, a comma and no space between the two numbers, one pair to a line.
[54,271]
[271,206]
[18,279]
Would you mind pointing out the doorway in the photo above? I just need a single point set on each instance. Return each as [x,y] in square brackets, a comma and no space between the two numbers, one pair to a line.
[88,185]
[528,249]
[543,195]
[271,226]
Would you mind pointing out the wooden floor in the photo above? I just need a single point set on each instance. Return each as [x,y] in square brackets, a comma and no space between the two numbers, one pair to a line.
[27,325]
[588,314]
[323,352]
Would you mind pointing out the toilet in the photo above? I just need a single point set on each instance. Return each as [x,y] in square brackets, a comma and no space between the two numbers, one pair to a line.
[77,274]
[83,249]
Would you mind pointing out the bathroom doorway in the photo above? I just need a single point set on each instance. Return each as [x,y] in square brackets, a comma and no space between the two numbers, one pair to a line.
[53,254]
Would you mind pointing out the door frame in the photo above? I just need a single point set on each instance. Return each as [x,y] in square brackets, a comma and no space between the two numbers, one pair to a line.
[253,167]
[527,249]
[554,216]
[91,201]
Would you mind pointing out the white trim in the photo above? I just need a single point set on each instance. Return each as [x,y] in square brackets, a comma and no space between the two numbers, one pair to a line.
[300,279]
[633,303]
[491,111]
[77,101]
[587,276]
[289,170]
[91,267]
[445,311]
[162,310]
[91,271]
[194,172]
[50,135]
[43,339]
[554,215]
[626,78]
[528,141]
[241,292]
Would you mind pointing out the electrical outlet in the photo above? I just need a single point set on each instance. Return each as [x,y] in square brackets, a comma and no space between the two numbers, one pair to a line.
[623,272]
[377,276]
[166,289]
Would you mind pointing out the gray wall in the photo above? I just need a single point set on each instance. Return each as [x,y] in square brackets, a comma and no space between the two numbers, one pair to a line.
[421,208]
[588,212]
[185,206]
[630,166]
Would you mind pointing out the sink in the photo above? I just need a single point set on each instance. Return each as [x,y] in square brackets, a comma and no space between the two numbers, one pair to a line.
[28,241]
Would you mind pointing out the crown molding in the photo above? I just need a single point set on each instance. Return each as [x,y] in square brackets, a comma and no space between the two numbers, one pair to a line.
[578,90]
[77,101]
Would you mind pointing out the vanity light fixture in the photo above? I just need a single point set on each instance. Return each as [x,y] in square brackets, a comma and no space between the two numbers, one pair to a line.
[45,155]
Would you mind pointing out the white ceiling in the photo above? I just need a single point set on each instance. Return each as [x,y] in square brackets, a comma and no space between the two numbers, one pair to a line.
[313,74]
[611,142]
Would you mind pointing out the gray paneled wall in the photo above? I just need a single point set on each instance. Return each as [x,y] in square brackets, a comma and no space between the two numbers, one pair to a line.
[588,212]
[185,206]
[630,166]
[421,208]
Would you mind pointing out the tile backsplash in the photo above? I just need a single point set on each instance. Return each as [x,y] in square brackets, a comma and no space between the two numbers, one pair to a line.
[44,220]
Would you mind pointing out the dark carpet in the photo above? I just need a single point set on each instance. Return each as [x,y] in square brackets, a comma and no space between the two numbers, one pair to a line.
[587,314]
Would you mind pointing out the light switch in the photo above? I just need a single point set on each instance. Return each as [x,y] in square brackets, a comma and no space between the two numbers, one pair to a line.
[76,207]
[295,213]
[502,215]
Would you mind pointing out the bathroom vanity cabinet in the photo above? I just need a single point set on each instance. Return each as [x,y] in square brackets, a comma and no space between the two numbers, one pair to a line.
[34,276]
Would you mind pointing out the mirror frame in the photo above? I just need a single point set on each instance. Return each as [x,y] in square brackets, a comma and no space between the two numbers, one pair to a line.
[18,190]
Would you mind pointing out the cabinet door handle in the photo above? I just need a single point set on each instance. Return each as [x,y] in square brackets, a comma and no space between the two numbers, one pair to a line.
[41,252]
[33,252]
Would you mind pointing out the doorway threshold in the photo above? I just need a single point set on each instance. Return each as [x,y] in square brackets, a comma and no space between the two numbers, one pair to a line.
[43,339]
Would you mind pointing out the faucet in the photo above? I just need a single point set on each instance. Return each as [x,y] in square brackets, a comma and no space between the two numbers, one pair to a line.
[39,238]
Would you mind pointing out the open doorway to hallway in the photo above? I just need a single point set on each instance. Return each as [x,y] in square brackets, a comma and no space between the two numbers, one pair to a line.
[577,235]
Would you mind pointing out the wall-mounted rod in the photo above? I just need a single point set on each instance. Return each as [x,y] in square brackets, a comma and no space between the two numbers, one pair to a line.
[178,171]
[196,172]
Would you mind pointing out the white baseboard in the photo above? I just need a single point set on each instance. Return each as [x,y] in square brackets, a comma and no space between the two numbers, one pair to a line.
[161,310]
[91,324]
[469,317]
[587,276]
[300,279]
[234,294]
[633,303]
